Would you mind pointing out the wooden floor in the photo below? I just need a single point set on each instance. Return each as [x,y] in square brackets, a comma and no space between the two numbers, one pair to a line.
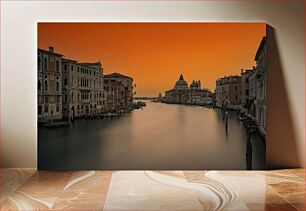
[28,189]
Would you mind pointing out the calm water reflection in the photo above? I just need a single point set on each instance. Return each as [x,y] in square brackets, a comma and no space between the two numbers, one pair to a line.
[160,136]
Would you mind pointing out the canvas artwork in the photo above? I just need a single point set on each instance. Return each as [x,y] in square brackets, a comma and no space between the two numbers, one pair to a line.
[166,96]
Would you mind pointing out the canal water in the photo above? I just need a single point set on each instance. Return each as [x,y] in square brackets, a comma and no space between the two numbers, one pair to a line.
[159,136]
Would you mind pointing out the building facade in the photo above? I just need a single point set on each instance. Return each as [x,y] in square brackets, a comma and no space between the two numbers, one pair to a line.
[228,92]
[49,85]
[245,89]
[92,87]
[179,94]
[118,90]
[68,89]
[83,93]
[261,85]
[250,105]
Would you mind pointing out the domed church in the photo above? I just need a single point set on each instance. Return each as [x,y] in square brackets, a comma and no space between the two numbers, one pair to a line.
[181,84]
[183,94]
[195,85]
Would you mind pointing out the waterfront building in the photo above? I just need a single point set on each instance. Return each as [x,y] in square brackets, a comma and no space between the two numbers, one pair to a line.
[118,91]
[49,85]
[261,84]
[256,101]
[228,92]
[199,96]
[113,93]
[182,94]
[69,89]
[213,98]
[82,88]
[250,106]
[179,94]
[245,89]
[94,76]
[194,92]
[181,84]
[176,96]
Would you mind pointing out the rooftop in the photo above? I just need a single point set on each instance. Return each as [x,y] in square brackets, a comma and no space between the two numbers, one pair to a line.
[50,51]
[90,63]
[69,60]
[233,79]
[116,75]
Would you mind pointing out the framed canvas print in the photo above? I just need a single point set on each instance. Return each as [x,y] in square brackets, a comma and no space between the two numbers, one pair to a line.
[152,105]
[169,95]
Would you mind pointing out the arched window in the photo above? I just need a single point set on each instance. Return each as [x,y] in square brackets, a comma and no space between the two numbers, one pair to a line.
[46,85]
[45,64]
[39,86]
[57,66]
[57,86]
[38,62]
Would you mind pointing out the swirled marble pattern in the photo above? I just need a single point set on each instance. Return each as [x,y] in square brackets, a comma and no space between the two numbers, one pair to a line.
[85,191]
[12,179]
[148,190]
[27,189]
[224,198]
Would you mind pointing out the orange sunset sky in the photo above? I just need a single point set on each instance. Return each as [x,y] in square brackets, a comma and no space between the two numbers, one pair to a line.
[155,54]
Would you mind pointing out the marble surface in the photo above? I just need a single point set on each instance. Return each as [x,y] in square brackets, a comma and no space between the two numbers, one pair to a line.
[28,189]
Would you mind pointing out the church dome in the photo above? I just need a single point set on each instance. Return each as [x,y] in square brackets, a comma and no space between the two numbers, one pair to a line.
[181,83]
[194,84]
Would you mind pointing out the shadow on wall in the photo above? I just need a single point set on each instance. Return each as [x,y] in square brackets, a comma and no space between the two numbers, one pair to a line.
[281,141]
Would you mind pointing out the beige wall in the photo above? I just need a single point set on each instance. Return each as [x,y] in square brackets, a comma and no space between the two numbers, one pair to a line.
[18,62]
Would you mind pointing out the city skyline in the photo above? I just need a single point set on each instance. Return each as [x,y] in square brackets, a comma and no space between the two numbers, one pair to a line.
[155,54]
